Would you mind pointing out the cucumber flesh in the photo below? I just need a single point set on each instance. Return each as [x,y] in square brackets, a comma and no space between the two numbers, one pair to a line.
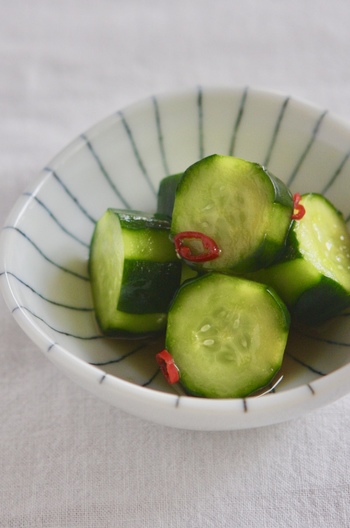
[239,205]
[227,335]
[134,272]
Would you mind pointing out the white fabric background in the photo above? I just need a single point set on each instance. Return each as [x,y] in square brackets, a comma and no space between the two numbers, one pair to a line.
[66,458]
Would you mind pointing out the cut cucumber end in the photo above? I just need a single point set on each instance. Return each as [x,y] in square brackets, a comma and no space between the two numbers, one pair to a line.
[227,335]
[322,239]
[239,205]
[106,268]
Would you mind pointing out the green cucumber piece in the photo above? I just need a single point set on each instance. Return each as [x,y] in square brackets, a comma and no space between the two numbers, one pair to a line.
[227,335]
[240,205]
[314,280]
[166,194]
[134,272]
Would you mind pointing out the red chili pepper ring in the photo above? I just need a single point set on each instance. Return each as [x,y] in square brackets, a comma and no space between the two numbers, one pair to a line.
[210,248]
[167,366]
[299,210]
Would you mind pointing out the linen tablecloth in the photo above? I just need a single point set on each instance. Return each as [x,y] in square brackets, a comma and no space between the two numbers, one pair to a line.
[68,459]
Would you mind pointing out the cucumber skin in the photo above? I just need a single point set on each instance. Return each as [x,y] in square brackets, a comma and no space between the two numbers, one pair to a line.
[272,248]
[166,194]
[141,286]
[321,302]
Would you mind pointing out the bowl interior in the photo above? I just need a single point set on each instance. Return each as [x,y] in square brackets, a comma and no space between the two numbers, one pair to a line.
[119,163]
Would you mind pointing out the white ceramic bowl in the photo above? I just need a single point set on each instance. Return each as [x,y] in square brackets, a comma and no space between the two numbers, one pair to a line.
[119,163]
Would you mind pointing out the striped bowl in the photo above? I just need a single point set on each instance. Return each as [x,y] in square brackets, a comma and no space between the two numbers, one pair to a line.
[44,245]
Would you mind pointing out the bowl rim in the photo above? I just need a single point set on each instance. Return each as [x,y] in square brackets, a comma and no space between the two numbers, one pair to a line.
[319,392]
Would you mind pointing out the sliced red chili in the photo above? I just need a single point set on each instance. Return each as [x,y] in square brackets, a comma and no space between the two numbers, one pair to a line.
[211,250]
[167,366]
[299,209]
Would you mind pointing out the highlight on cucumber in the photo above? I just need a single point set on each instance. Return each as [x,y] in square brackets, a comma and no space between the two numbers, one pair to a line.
[226,265]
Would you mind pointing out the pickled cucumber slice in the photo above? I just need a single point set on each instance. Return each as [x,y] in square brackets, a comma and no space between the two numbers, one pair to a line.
[314,280]
[238,204]
[227,335]
[134,272]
